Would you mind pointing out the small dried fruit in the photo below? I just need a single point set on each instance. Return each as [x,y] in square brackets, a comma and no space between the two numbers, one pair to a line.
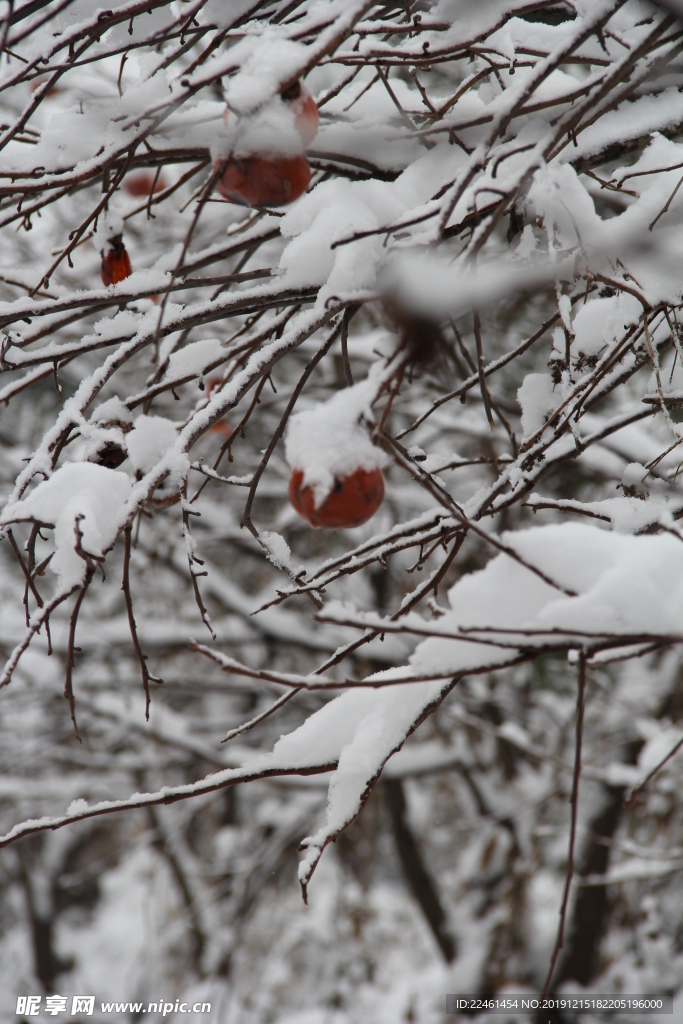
[352,501]
[115,262]
[421,337]
[264,181]
[110,455]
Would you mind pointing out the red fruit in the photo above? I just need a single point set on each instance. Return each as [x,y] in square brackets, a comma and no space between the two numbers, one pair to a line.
[141,184]
[262,181]
[352,501]
[305,111]
[222,427]
[115,262]
[37,82]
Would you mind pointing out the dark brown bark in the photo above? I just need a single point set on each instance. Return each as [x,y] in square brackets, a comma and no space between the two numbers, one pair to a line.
[417,875]
[581,961]
[47,964]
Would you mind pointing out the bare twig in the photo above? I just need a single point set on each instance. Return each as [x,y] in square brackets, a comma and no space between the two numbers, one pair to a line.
[480,369]
[147,677]
[193,560]
[637,790]
[580,705]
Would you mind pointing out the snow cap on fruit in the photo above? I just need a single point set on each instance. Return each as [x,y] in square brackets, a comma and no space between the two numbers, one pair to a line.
[275,113]
[268,64]
[269,132]
[306,117]
[332,440]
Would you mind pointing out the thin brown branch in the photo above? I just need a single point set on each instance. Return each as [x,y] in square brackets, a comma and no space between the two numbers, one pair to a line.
[193,560]
[147,677]
[443,497]
[30,585]
[247,726]
[580,706]
[485,397]
[637,790]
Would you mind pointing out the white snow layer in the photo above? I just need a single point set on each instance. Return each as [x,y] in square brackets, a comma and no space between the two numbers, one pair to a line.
[271,131]
[193,360]
[278,551]
[369,725]
[601,321]
[78,494]
[112,411]
[266,63]
[624,585]
[149,440]
[537,399]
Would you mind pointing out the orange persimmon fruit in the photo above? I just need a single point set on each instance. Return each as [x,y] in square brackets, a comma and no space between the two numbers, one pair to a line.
[40,80]
[352,501]
[306,116]
[272,179]
[264,181]
[141,183]
[222,427]
[115,262]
